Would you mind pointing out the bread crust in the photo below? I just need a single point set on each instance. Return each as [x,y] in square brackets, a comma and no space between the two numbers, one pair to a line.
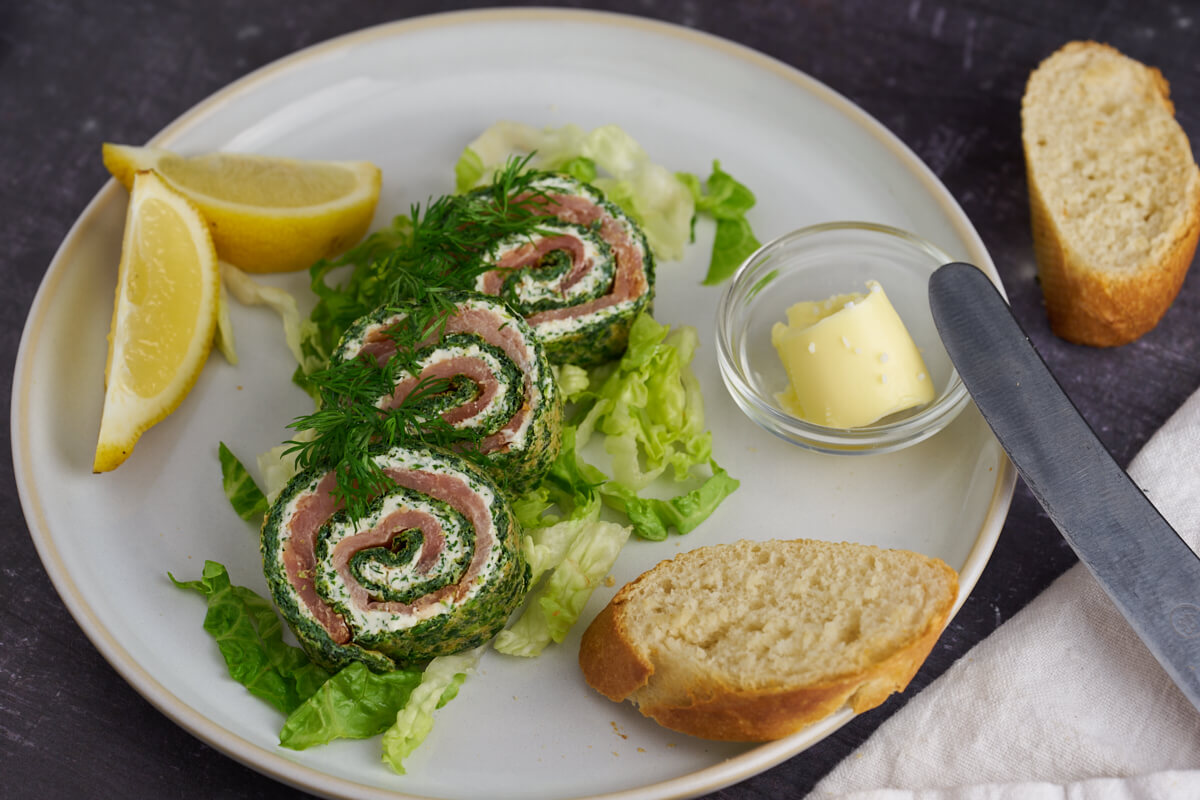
[1098,307]
[609,661]
[711,708]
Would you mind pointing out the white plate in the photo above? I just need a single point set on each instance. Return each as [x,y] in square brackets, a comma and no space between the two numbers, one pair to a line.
[408,96]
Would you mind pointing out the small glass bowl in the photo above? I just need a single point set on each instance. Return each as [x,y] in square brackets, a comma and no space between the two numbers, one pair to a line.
[816,263]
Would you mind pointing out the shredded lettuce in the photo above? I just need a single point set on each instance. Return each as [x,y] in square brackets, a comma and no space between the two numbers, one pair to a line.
[250,638]
[607,157]
[223,338]
[354,704]
[574,551]
[653,518]
[651,412]
[439,685]
[250,292]
[650,408]
[727,201]
[565,486]
[572,381]
[278,465]
[555,606]
[545,548]
[244,495]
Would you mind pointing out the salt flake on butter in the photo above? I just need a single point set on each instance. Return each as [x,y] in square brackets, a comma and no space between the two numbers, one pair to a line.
[827,384]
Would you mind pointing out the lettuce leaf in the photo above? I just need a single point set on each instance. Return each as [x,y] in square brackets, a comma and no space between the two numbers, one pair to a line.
[439,685]
[572,381]
[566,486]
[250,292]
[278,465]
[250,638]
[575,549]
[554,607]
[244,495]
[545,548]
[354,704]
[223,339]
[651,412]
[726,200]
[607,157]
[650,408]
[653,518]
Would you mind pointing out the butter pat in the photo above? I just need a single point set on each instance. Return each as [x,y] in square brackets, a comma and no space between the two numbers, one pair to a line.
[850,361]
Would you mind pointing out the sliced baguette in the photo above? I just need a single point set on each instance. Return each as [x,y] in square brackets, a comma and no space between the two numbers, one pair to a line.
[1114,193]
[752,641]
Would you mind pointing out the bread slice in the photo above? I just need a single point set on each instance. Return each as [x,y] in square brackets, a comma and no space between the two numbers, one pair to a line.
[752,641]
[1114,193]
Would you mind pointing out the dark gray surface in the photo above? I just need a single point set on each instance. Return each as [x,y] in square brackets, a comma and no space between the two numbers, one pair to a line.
[947,78]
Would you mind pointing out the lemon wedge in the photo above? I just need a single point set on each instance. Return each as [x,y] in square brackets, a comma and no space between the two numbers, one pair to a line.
[266,214]
[164,316]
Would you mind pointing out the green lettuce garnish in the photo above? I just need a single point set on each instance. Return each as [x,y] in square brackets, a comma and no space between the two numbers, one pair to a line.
[250,292]
[591,548]
[565,487]
[223,339]
[244,495]
[727,201]
[572,381]
[250,638]
[439,685]
[650,408]
[354,704]
[653,518]
[575,549]
[278,465]
[651,413]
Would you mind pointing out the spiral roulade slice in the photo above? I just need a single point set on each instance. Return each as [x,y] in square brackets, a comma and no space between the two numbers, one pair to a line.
[434,567]
[579,280]
[496,381]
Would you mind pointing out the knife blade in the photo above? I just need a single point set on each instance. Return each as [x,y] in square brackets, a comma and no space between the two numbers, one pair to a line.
[1150,573]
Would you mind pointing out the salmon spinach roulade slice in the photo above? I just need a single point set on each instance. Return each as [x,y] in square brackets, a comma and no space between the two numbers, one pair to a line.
[432,568]
[579,279]
[477,366]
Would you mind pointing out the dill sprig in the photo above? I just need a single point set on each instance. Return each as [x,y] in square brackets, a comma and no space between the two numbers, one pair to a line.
[412,269]
[434,249]
[349,426]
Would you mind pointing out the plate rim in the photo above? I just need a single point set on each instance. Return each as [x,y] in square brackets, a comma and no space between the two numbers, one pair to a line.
[272,763]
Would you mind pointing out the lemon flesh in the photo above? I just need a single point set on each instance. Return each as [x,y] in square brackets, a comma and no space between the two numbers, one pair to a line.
[265,214]
[164,316]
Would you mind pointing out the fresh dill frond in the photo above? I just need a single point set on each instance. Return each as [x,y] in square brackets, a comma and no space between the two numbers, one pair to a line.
[437,248]
[350,425]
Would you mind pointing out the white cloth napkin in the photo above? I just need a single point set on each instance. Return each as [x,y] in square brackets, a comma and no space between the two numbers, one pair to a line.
[1062,701]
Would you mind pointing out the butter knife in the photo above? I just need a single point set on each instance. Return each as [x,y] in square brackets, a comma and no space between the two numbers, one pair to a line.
[1150,573]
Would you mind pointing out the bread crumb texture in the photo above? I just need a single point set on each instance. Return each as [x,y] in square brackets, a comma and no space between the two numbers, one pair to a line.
[753,640]
[1114,192]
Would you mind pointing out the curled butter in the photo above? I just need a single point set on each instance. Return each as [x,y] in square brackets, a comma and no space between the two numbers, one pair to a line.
[850,361]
